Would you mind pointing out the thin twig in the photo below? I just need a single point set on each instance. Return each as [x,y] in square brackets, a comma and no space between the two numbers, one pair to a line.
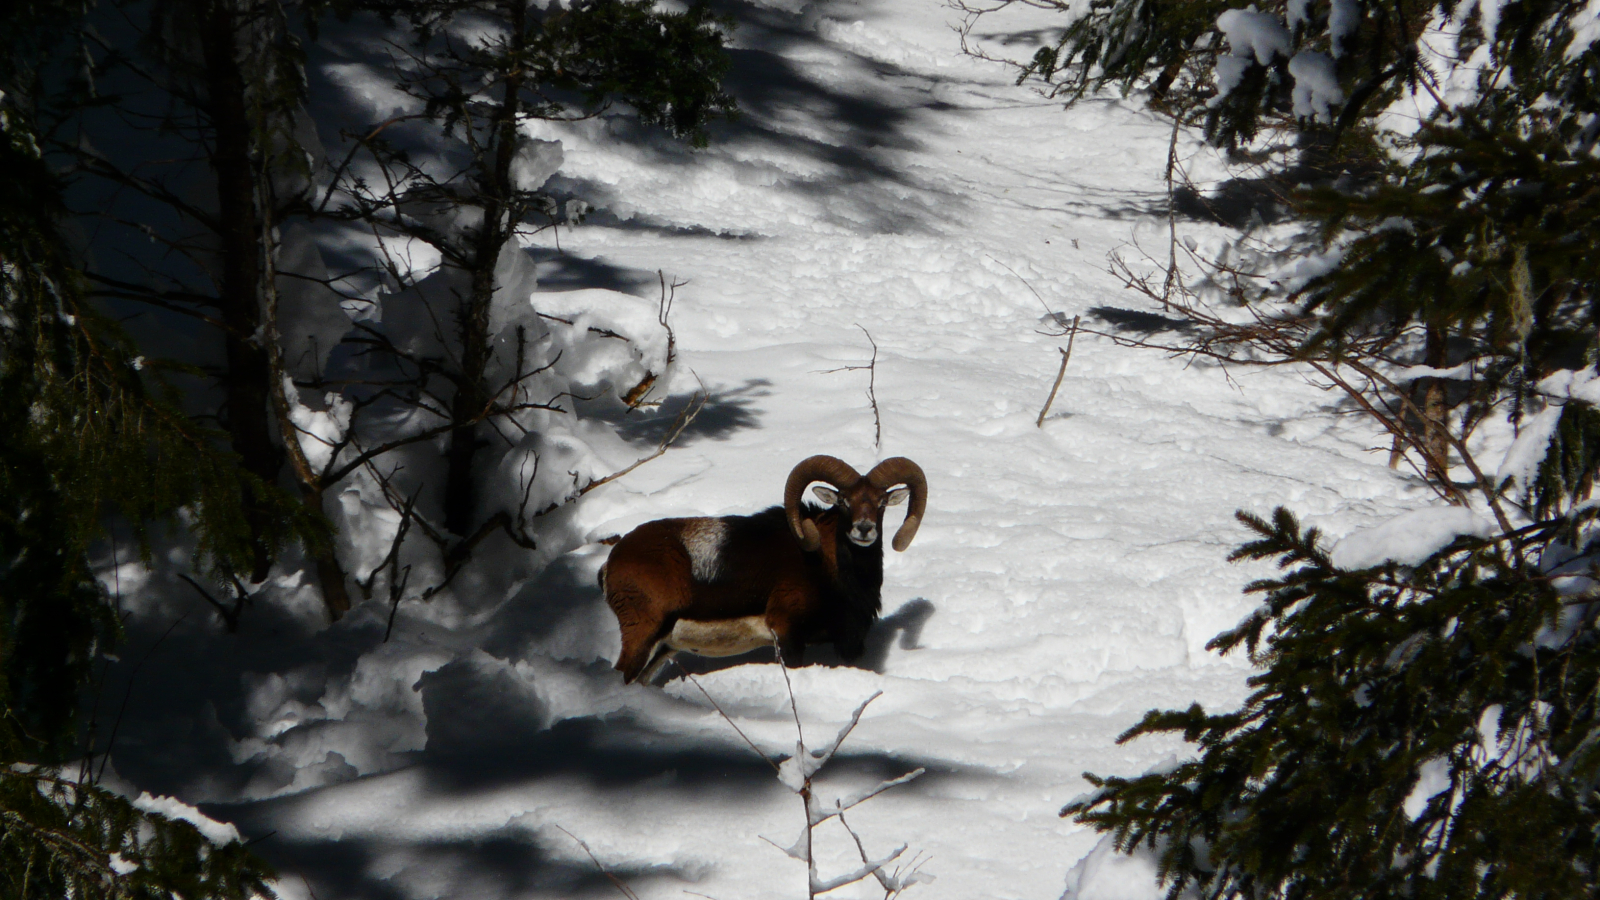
[229,619]
[620,884]
[685,418]
[1060,373]
[872,381]
[729,719]
[1173,275]
[1047,310]
[872,395]
[794,708]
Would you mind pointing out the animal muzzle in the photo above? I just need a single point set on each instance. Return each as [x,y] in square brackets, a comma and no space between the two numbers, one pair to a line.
[863,534]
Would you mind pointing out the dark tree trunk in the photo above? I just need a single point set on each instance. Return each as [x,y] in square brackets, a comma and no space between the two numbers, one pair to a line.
[247,384]
[330,575]
[471,401]
[1435,405]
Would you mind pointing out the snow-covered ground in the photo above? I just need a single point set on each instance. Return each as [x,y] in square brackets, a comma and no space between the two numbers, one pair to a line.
[1066,578]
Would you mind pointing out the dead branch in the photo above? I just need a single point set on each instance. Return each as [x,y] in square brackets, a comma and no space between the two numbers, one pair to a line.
[797,773]
[615,881]
[669,294]
[685,418]
[1269,336]
[871,369]
[230,617]
[1047,310]
[1060,373]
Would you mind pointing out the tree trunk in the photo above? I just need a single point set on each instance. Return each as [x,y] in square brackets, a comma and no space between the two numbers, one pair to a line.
[1435,406]
[243,242]
[472,395]
[330,575]
[246,407]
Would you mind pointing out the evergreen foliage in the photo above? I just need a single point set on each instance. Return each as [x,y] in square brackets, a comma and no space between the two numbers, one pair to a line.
[218,83]
[89,428]
[95,431]
[1424,730]
[62,838]
[1476,225]
[1412,732]
[570,61]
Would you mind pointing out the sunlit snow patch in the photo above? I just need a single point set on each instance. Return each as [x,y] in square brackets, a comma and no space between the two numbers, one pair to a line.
[1106,874]
[1432,779]
[173,808]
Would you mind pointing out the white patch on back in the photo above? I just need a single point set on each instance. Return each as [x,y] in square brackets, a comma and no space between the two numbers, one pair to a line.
[703,538]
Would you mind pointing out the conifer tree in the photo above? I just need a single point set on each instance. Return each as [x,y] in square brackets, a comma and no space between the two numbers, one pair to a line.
[180,130]
[89,428]
[1426,729]
[481,70]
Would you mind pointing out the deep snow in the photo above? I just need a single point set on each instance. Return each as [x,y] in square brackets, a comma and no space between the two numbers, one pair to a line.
[1066,578]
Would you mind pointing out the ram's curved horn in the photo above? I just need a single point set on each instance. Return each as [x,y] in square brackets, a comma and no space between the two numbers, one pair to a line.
[899,470]
[834,471]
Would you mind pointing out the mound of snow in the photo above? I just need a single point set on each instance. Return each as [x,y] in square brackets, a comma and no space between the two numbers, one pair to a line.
[1106,874]
[1409,538]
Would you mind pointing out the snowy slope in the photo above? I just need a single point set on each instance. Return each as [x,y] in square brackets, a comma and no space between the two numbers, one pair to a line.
[1066,578]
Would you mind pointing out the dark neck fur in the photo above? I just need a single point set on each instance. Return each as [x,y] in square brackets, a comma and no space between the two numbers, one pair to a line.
[857,583]
[854,576]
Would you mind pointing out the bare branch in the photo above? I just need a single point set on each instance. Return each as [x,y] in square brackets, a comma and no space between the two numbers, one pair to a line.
[1060,373]
[230,617]
[617,882]
[872,380]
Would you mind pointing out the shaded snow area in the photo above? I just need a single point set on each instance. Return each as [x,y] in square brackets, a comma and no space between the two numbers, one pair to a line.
[1066,577]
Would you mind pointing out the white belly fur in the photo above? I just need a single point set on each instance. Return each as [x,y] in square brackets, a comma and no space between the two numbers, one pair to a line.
[721,637]
[715,637]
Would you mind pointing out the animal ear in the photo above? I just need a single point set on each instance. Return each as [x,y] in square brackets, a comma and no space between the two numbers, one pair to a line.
[826,494]
[897,496]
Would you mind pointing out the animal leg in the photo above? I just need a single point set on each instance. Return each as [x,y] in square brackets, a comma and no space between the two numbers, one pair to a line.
[640,641]
[787,630]
[658,661]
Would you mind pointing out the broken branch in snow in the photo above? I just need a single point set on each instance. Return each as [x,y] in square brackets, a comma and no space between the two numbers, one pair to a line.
[1025,284]
[843,804]
[398,577]
[819,886]
[1256,327]
[1060,373]
[729,719]
[893,883]
[685,418]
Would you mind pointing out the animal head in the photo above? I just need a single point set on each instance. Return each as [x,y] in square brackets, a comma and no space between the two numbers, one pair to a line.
[859,499]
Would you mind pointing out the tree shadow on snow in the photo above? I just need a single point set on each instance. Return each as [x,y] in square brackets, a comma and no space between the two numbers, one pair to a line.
[526,856]
[561,271]
[1140,322]
[848,114]
[619,752]
[171,704]
[508,863]
[726,411]
[488,731]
